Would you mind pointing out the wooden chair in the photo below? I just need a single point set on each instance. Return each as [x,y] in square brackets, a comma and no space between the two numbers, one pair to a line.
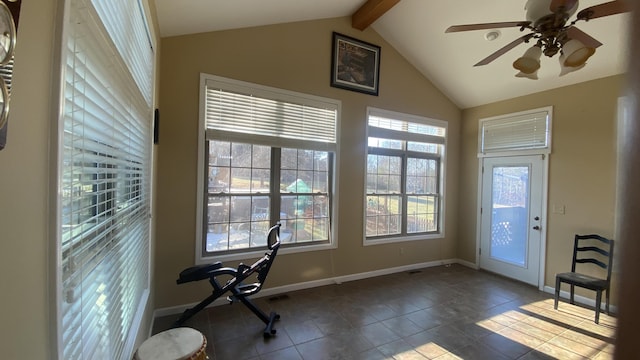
[585,250]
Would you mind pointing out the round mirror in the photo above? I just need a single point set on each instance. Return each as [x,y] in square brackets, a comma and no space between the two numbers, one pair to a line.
[7,34]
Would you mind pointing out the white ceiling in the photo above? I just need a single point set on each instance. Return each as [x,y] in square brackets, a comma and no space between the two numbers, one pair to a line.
[415,28]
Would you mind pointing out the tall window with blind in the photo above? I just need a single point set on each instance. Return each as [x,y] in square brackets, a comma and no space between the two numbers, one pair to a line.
[103,208]
[268,156]
[405,176]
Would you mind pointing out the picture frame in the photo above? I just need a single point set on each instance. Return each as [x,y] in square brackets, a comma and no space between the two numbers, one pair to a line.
[355,64]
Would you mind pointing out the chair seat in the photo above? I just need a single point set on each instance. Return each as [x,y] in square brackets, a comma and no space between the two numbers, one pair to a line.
[583,280]
[198,272]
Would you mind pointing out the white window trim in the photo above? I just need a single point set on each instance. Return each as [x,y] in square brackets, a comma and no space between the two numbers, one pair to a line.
[443,169]
[202,127]
[547,150]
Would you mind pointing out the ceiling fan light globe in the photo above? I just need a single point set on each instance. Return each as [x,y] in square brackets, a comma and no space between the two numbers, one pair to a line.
[564,70]
[579,58]
[575,53]
[532,76]
[526,66]
[530,61]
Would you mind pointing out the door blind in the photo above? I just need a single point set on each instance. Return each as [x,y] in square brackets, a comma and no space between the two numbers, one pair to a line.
[519,132]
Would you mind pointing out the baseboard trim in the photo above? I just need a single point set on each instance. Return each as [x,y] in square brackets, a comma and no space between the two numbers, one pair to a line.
[468,264]
[564,295]
[179,309]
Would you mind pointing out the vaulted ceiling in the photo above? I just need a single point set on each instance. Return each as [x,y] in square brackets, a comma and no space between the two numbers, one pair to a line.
[416,29]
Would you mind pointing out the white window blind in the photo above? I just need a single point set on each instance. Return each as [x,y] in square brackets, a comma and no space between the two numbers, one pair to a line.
[104,180]
[522,131]
[381,126]
[131,37]
[284,117]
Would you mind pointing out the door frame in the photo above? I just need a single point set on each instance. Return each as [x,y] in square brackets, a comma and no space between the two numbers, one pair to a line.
[543,208]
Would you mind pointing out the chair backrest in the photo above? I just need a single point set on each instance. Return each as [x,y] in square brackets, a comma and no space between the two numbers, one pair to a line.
[273,243]
[262,266]
[586,247]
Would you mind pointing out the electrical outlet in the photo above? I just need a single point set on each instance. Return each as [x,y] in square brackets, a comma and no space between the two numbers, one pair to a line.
[558,209]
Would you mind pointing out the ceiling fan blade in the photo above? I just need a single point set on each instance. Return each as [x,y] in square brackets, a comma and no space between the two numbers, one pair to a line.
[567,4]
[605,9]
[504,49]
[577,34]
[456,28]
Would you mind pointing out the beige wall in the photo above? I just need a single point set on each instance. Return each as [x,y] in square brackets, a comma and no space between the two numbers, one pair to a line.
[582,166]
[295,57]
[24,260]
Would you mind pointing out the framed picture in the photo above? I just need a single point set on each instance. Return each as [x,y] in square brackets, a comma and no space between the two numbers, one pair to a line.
[355,64]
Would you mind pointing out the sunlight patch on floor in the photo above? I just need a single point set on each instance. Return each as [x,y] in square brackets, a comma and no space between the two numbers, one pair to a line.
[566,333]
[431,350]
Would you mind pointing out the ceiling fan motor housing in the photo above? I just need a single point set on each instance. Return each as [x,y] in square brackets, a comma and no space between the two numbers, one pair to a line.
[537,9]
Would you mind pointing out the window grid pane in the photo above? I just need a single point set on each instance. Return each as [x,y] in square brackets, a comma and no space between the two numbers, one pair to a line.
[422,214]
[239,207]
[238,201]
[304,184]
[422,176]
[384,214]
[384,174]
[386,143]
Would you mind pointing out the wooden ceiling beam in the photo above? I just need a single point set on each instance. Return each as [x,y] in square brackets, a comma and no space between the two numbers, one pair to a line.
[371,11]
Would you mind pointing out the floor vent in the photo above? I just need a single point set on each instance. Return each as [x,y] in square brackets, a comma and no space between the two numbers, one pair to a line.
[414,272]
[279,297]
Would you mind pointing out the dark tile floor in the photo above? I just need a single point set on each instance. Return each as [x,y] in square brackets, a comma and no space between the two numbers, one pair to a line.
[445,312]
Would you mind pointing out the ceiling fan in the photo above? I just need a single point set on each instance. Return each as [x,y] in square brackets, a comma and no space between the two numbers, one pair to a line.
[553,33]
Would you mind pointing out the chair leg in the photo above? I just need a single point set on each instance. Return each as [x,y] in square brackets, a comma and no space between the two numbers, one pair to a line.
[555,300]
[572,293]
[607,305]
[598,304]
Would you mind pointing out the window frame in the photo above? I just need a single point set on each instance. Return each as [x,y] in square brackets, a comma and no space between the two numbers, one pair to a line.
[202,173]
[404,154]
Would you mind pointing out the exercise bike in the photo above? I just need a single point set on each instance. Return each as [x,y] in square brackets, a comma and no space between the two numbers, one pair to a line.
[239,291]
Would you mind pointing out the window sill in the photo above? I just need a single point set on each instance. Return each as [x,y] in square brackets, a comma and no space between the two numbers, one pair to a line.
[254,254]
[389,240]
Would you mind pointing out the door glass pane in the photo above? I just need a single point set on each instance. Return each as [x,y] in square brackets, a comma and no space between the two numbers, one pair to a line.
[509,225]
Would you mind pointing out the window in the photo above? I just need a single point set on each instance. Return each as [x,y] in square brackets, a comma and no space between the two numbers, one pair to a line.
[404,177]
[269,157]
[103,206]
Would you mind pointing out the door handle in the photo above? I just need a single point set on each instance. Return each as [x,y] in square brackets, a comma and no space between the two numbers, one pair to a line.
[536,227]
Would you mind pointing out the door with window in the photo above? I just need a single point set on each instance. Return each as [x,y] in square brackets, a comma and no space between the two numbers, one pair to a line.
[511,216]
